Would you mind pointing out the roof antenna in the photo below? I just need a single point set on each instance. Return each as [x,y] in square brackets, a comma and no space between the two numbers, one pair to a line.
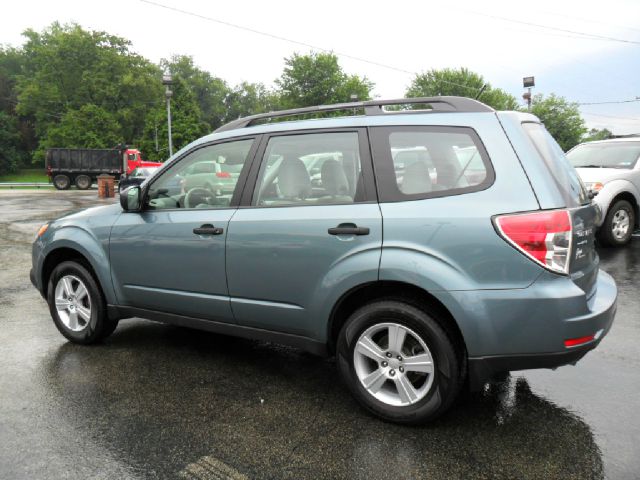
[484,86]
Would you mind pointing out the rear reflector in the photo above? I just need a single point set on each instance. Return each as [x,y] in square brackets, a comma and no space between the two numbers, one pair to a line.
[544,236]
[223,175]
[574,342]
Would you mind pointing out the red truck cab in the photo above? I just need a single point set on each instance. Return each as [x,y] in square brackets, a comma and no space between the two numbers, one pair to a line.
[134,160]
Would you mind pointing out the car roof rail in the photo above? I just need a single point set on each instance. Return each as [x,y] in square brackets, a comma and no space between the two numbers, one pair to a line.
[371,107]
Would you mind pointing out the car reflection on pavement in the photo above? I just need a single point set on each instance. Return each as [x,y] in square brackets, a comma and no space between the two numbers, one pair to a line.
[160,393]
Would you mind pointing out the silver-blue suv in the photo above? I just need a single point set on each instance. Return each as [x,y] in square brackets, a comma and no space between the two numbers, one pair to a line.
[428,249]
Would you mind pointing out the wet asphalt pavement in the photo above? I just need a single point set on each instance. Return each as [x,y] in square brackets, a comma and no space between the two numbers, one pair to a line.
[156,401]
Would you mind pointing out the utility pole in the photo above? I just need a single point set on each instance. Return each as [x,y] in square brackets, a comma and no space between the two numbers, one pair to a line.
[528,83]
[167,81]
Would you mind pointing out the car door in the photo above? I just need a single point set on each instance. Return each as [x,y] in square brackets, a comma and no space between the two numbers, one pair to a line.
[308,230]
[170,257]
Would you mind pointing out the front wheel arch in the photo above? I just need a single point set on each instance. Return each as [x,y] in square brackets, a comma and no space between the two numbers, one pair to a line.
[629,197]
[59,255]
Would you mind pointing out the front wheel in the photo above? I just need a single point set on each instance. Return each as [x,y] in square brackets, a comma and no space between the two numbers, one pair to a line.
[77,305]
[61,182]
[399,363]
[618,225]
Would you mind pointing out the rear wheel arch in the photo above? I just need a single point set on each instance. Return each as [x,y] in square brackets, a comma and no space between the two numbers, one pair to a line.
[400,291]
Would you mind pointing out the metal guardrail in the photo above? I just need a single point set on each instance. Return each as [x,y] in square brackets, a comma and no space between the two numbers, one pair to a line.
[26,184]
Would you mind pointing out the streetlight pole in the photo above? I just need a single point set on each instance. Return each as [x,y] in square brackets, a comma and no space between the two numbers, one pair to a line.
[528,83]
[167,81]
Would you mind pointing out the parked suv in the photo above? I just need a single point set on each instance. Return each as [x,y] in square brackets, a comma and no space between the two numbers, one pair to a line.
[611,170]
[429,250]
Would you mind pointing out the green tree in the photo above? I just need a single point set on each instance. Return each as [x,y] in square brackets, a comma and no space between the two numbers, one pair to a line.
[209,92]
[11,152]
[13,126]
[67,67]
[248,99]
[89,126]
[187,123]
[318,79]
[562,119]
[597,134]
[460,82]
[10,66]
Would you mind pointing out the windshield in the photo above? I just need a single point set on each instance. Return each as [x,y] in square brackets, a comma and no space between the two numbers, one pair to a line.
[605,155]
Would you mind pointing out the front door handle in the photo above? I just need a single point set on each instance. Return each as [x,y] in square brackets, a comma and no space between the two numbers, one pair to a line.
[348,229]
[208,229]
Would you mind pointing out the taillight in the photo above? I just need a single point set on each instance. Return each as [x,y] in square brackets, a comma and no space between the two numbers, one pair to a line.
[545,236]
[223,175]
[576,342]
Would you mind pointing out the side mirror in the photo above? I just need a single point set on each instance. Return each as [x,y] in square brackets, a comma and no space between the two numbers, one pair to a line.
[131,199]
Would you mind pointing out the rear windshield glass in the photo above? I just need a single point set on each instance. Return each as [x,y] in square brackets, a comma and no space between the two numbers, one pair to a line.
[565,176]
[605,155]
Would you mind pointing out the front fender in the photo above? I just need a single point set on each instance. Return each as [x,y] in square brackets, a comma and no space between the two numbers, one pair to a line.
[93,249]
[611,190]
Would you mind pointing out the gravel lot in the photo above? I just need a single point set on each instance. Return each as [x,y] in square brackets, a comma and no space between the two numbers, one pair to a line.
[156,401]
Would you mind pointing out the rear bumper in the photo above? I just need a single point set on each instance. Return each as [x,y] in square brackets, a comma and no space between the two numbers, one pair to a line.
[482,369]
[601,312]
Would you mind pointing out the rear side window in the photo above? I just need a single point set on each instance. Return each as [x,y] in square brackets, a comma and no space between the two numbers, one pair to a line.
[416,162]
[565,176]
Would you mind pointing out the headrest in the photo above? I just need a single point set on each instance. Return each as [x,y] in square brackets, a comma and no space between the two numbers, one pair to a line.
[293,179]
[416,179]
[334,180]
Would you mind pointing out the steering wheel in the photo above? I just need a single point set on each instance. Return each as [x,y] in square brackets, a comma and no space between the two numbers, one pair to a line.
[196,196]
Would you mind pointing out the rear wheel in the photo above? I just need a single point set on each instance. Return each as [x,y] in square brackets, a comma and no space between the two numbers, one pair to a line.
[61,182]
[77,305]
[618,225]
[398,362]
[83,182]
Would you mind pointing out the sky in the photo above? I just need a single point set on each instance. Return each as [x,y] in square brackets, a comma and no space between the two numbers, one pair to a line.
[586,51]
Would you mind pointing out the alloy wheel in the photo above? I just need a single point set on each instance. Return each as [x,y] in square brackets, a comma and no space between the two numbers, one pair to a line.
[620,224]
[394,364]
[73,303]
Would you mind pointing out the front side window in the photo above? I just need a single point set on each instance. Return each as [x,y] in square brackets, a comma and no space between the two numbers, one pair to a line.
[310,169]
[205,178]
[422,162]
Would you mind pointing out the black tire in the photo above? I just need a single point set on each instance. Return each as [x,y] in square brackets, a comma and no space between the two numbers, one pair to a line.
[99,326]
[61,182]
[83,182]
[606,234]
[449,371]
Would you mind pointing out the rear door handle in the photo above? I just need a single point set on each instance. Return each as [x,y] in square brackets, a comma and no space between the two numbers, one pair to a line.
[208,229]
[348,229]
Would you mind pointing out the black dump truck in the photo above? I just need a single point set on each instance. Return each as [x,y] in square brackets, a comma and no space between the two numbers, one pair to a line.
[81,166]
